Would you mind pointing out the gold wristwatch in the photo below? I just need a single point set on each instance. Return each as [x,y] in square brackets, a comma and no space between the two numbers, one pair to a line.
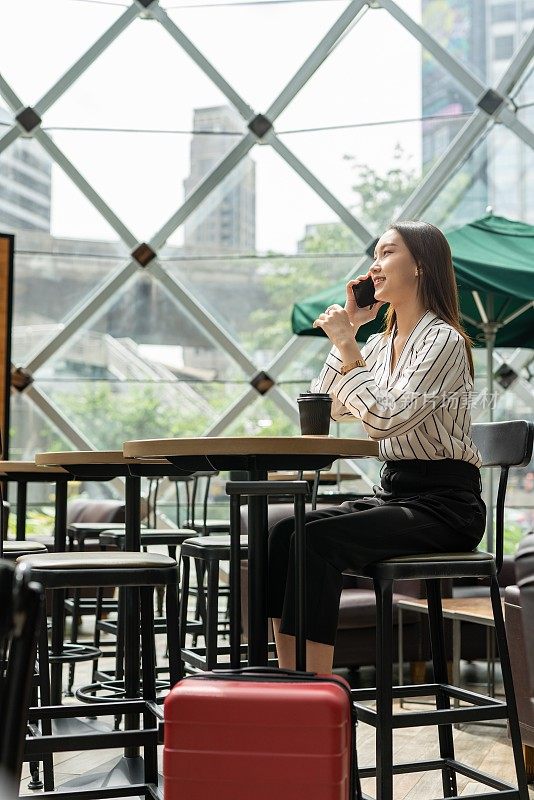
[352,365]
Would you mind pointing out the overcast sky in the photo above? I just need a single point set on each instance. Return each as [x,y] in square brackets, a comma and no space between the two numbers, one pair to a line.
[145,80]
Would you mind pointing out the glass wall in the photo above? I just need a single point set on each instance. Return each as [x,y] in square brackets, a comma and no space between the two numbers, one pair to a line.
[144,139]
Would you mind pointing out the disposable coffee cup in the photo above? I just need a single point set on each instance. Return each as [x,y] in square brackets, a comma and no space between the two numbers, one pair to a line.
[314,412]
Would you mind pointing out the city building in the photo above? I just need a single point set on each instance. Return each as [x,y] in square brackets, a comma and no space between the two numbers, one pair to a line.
[226,220]
[483,35]
[25,184]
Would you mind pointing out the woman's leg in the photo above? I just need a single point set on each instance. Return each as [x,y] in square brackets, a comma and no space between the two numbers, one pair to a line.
[319,657]
[337,540]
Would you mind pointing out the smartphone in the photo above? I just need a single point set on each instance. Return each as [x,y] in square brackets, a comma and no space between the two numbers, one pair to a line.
[364,293]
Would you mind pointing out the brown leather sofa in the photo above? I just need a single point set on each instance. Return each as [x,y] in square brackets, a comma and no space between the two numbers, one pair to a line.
[513,615]
[519,618]
[82,510]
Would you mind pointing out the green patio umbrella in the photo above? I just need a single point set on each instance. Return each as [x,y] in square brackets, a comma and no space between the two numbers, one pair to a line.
[494,264]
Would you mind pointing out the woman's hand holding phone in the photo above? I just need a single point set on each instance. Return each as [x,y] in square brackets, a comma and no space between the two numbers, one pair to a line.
[359,316]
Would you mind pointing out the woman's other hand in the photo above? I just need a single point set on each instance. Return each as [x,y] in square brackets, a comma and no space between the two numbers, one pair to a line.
[336,324]
[359,316]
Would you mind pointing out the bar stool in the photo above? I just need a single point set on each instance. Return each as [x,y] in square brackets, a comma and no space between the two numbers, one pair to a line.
[207,525]
[502,444]
[204,527]
[110,682]
[80,536]
[21,604]
[208,552]
[142,572]
[13,549]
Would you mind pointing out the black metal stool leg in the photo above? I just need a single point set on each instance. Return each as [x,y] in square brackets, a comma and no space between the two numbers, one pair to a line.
[35,781]
[160,593]
[44,696]
[200,607]
[184,599]
[502,644]
[439,661]
[148,655]
[119,658]
[212,616]
[74,627]
[58,636]
[96,636]
[384,689]
[174,634]
[131,662]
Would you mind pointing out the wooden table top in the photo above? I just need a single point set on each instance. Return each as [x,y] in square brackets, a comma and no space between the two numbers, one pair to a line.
[251,445]
[327,477]
[80,457]
[87,457]
[468,609]
[30,467]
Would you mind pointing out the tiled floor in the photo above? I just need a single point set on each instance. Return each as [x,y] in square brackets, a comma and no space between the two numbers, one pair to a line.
[484,747]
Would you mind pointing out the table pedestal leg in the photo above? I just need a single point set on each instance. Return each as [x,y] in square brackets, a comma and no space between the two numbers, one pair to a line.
[22,494]
[132,609]
[257,585]
[58,596]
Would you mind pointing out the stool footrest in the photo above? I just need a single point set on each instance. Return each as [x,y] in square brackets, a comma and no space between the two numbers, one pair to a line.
[41,745]
[482,708]
[505,790]
[146,791]
[73,652]
[89,604]
[196,656]
[425,689]
[119,707]
[115,689]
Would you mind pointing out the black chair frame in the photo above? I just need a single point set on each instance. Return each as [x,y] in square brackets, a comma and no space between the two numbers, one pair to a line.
[21,609]
[502,444]
[44,743]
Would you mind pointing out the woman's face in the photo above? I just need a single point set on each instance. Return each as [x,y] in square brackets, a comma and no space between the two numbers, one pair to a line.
[394,270]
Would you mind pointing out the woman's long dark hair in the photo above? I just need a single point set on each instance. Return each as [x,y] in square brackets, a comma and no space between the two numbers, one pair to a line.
[437,290]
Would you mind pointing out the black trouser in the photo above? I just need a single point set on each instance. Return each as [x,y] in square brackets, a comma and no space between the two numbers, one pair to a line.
[420,507]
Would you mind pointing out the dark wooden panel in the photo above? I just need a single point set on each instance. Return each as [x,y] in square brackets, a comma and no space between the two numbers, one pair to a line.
[6,304]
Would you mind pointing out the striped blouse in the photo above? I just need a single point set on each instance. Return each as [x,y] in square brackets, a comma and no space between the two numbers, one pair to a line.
[422,409]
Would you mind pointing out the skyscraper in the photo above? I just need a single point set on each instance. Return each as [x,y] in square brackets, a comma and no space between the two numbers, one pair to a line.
[460,27]
[226,220]
[511,189]
[25,184]
[483,35]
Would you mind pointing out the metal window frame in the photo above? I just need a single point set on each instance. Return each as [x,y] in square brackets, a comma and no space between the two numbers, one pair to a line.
[427,190]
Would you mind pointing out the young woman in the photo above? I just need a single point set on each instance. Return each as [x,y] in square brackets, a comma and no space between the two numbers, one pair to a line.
[410,387]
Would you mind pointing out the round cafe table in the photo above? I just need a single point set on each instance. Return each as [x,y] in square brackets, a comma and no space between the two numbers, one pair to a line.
[256,455]
[104,465]
[94,465]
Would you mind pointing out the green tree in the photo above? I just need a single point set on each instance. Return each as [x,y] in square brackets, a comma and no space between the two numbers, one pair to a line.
[380,197]
[114,413]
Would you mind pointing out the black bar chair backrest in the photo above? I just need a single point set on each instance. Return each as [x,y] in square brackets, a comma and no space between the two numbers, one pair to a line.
[198,477]
[20,613]
[503,444]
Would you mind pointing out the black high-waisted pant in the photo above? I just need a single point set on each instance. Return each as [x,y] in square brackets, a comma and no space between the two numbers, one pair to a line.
[420,507]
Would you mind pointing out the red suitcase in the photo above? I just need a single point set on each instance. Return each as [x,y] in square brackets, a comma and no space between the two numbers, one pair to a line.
[260,734]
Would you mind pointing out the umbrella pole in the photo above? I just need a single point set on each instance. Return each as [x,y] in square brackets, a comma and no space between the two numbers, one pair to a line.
[490,332]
